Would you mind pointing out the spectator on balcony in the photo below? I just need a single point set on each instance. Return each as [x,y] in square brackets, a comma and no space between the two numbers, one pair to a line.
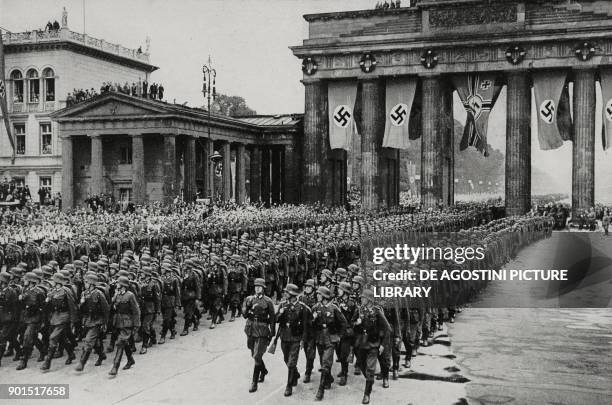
[154,91]
[56,26]
[386,5]
[126,88]
[160,92]
[134,89]
[49,26]
[139,51]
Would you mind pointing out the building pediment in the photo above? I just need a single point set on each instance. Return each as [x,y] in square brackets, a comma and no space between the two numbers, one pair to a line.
[111,105]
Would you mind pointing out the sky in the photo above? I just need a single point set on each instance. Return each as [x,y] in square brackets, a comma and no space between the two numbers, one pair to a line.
[248,41]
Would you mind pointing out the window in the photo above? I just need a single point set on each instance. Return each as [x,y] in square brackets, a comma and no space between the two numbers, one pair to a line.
[34,86]
[49,77]
[45,183]
[20,138]
[45,139]
[126,155]
[17,79]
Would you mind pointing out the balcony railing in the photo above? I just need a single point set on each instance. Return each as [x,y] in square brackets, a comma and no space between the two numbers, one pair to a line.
[65,34]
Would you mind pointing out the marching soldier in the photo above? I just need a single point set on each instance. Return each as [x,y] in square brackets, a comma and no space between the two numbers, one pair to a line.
[371,329]
[127,321]
[329,325]
[95,310]
[348,306]
[189,294]
[170,300]
[258,309]
[292,318]
[63,315]
[33,303]
[217,289]
[9,301]
[151,306]
[309,298]
[237,283]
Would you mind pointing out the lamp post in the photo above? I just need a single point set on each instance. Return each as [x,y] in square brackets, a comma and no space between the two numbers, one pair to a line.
[217,165]
[209,91]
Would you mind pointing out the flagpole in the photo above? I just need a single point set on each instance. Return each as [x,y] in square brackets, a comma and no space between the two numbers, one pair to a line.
[3,106]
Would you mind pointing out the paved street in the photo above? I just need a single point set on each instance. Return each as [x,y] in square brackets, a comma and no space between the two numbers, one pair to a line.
[215,365]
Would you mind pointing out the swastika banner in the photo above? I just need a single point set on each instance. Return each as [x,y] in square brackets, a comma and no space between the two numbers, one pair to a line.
[478,93]
[606,97]
[399,98]
[552,108]
[341,96]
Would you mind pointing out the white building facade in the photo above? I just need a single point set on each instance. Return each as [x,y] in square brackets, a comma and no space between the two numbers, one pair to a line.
[41,69]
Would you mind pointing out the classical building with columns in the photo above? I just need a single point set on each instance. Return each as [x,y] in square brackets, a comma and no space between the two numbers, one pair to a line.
[429,43]
[145,150]
[41,68]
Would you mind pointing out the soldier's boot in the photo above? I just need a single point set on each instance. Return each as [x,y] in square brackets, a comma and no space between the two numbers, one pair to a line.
[83,359]
[296,376]
[132,344]
[59,352]
[185,331]
[101,357]
[47,364]
[111,345]
[71,356]
[23,363]
[172,334]
[117,360]
[263,371]
[308,371]
[233,317]
[343,374]
[213,324]
[385,379]
[196,324]
[357,370]
[255,379]
[395,374]
[162,336]
[128,354]
[152,338]
[321,390]
[407,362]
[145,339]
[9,351]
[18,352]
[289,388]
[41,350]
[367,392]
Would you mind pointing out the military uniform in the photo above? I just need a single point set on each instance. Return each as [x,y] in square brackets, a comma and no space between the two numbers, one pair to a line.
[329,326]
[33,304]
[260,327]
[343,350]
[9,302]
[217,284]
[95,311]
[151,300]
[170,299]
[126,321]
[190,292]
[292,318]
[237,284]
[310,346]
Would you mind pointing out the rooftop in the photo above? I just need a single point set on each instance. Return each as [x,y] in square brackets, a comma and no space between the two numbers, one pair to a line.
[64,35]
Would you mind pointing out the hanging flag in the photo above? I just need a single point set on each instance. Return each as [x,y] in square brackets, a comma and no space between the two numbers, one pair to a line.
[552,107]
[399,98]
[415,124]
[478,93]
[606,96]
[3,105]
[341,96]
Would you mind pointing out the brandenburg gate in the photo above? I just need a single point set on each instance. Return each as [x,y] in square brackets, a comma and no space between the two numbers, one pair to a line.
[474,47]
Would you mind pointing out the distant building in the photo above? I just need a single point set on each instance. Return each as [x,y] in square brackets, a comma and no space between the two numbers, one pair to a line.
[42,67]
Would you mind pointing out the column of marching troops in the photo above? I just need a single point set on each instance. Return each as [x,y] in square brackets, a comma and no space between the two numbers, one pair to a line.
[318,275]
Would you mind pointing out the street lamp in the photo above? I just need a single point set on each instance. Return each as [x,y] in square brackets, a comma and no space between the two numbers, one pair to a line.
[209,91]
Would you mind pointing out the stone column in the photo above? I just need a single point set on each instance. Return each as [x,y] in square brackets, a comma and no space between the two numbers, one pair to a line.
[276,175]
[96,168]
[448,133]
[583,156]
[265,175]
[292,177]
[240,174]
[431,143]
[139,188]
[226,174]
[314,140]
[190,169]
[67,174]
[518,144]
[255,170]
[373,128]
[169,187]
[207,165]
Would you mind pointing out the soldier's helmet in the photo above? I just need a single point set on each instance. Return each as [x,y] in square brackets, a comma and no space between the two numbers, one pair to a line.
[39,273]
[47,270]
[353,268]
[5,277]
[91,277]
[324,292]
[259,282]
[358,280]
[59,278]
[310,282]
[341,272]
[124,282]
[326,272]
[146,271]
[31,277]
[346,287]
[292,289]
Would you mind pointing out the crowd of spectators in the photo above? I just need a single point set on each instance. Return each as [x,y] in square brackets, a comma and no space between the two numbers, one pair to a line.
[14,192]
[386,5]
[154,91]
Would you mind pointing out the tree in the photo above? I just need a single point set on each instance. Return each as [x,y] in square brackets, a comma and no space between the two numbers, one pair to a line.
[233,106]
